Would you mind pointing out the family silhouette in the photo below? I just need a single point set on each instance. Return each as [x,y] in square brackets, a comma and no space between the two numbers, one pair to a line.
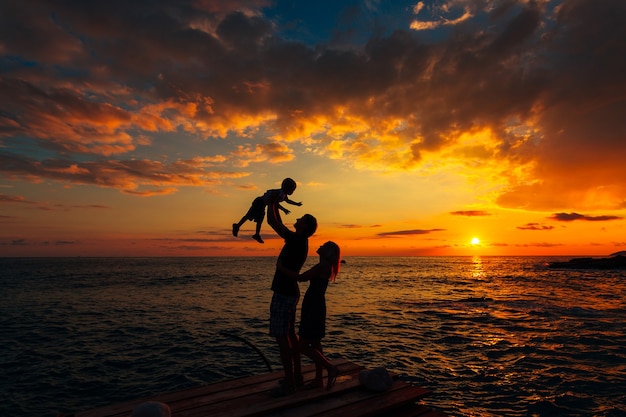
[286,290]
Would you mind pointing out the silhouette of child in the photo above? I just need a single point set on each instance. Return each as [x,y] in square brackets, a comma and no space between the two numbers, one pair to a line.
[256,212]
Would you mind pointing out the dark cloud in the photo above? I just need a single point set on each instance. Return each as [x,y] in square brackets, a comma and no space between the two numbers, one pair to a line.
[409,232]
[4,198]
[25,242]
[244,33]
[13,199]
[568,217]
[470,213]
[91,206]
[358,226]
[530,245]
[535,226]
[126,175]
[580,111]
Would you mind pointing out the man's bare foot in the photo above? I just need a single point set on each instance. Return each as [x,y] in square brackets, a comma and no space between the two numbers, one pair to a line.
[282,389]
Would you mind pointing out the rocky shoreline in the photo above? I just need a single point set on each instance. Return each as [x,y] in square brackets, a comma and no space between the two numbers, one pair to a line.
[613,262]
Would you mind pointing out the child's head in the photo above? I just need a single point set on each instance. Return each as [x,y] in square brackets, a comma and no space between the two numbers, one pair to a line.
[288,186]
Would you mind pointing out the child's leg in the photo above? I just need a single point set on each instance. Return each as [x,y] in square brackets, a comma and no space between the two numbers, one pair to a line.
[257,235]
[236,226]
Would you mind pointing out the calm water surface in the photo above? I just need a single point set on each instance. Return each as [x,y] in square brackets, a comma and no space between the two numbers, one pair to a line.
[491,336]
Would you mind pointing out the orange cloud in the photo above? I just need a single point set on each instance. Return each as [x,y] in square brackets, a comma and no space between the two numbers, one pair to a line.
[273,152]
[533,102]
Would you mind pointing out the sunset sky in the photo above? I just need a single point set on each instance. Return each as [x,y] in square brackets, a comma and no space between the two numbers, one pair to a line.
[146,128]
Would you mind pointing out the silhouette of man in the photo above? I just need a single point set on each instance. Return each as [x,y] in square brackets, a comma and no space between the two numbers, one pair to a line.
[287,294]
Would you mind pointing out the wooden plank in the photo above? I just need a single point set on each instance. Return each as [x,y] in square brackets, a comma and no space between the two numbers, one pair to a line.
[260,402]
[356,401]
[382,403]
[250,397]
[215,392]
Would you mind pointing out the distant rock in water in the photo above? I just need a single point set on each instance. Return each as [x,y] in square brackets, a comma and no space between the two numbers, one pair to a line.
[476,300]
[614,262]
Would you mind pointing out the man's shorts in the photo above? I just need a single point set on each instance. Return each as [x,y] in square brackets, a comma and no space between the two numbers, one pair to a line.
[283,314]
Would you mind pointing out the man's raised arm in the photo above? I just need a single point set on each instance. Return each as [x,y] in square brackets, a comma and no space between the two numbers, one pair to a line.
[274,220]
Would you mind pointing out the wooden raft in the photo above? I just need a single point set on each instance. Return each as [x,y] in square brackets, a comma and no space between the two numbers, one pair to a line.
[250,396]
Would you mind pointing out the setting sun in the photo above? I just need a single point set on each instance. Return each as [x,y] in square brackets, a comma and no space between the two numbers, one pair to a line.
[475,241]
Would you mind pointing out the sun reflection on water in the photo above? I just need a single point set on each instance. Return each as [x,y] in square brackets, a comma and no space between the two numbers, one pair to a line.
[477,268]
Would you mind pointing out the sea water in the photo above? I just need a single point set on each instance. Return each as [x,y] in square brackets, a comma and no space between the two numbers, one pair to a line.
[490,336]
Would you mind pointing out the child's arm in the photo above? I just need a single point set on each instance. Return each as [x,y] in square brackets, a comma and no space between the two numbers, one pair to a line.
[295,203]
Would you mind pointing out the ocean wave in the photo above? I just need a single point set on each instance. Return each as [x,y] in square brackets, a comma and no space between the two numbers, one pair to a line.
[490,337]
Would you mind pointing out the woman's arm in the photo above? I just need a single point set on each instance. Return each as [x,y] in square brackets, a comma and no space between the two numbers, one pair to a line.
[305,276]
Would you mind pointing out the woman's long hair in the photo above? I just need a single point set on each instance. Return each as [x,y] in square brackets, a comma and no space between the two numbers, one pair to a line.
[334,258]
